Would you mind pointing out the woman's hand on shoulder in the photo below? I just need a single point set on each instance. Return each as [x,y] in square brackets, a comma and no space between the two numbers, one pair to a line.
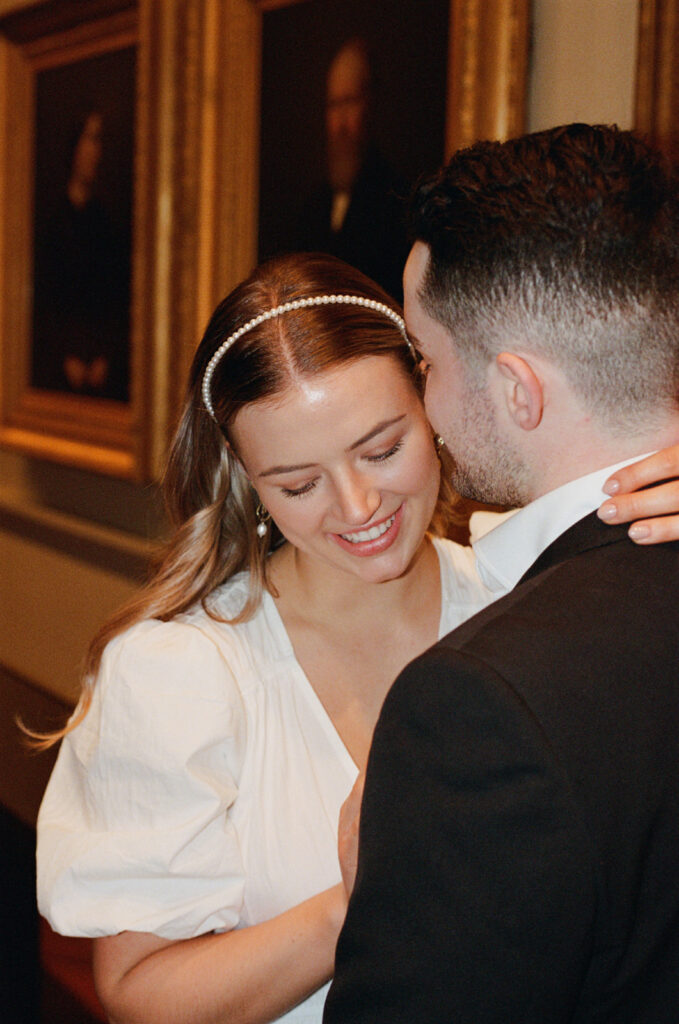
[646,494]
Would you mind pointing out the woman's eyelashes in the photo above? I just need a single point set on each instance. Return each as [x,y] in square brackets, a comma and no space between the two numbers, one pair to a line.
[383,456]
[306,488]
[297,492]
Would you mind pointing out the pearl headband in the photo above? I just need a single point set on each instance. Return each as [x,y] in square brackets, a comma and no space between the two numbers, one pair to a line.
[287,307]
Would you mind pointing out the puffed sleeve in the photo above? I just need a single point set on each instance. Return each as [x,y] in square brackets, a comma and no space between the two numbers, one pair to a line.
[134,832]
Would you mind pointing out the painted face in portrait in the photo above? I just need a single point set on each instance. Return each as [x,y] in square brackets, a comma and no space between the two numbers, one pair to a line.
[347,104]
[345,463]
[88,151]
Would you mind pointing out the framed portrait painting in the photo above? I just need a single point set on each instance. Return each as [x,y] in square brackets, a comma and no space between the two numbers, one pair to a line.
[82,221]
[92,194]
[69,104]
[357,101]
[442,74]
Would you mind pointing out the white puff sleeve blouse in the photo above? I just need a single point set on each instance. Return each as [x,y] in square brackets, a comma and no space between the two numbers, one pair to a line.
[134,831]
[202,790]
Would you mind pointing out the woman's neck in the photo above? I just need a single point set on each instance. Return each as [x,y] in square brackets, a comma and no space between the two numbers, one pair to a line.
[323,593]
[352,638]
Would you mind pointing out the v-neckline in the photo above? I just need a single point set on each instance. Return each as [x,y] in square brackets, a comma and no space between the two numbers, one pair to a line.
[304,683]
[275,618]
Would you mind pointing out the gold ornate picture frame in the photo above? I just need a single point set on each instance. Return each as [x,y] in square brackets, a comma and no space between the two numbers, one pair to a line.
[195,193]
[58,259]
[657,84]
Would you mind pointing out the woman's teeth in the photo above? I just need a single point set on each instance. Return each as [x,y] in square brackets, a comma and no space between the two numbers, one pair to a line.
[372,534]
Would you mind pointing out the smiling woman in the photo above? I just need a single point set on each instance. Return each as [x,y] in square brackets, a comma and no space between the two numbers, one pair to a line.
[191,823]
[308,566]
[362,478]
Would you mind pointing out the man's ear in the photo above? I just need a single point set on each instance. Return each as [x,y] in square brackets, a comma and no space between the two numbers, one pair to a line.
[522,390]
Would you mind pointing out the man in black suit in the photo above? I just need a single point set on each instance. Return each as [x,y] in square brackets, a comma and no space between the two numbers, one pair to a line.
[519,842]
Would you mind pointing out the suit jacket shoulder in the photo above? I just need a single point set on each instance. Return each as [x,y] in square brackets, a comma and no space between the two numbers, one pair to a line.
[521,815]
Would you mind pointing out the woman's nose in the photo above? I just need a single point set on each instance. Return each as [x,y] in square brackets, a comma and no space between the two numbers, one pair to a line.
[358,499]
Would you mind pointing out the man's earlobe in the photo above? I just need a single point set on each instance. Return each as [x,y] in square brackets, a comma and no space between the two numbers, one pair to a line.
[522,388]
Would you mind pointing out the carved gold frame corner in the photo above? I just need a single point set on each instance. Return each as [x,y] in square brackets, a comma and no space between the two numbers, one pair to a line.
[657,82]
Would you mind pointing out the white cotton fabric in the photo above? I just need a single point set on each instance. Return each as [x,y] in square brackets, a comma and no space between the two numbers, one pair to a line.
[202,791]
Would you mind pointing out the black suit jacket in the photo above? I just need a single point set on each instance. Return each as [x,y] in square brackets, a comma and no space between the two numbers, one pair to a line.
[519,846]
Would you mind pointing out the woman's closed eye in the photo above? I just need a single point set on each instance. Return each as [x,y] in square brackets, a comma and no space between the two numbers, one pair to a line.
[383,456]
[306,488]
[298,492]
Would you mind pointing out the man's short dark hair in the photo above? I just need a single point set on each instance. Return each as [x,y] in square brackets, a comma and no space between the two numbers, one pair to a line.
[569,238]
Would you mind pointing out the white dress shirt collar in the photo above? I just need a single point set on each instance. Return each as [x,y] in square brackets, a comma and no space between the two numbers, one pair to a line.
[505,553]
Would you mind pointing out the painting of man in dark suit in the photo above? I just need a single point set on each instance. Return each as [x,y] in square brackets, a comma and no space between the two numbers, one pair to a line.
[356,213]
[351,115]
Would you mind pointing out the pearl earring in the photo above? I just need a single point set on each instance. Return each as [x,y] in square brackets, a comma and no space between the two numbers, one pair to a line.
[263,518]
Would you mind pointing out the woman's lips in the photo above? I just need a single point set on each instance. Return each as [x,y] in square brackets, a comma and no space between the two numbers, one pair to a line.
[373,539]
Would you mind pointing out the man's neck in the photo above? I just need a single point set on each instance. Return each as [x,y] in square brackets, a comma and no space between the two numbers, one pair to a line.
[586,454]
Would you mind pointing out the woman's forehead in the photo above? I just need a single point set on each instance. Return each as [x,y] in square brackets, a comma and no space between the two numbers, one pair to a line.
[341,398]
[362,376]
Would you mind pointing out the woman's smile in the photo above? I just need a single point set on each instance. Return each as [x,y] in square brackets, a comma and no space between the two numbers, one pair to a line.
[345,464]
[374,539]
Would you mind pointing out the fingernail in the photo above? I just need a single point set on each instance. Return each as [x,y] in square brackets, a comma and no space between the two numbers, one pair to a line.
[611,486]
[607,511]
[638,532]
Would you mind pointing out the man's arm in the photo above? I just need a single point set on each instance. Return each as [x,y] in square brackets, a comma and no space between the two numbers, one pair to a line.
[474,896]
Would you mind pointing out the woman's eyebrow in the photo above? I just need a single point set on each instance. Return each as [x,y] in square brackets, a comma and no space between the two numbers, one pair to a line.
[382,425]
[286,469]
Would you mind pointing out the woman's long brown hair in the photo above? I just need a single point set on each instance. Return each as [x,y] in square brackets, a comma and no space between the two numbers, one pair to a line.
[209,500]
